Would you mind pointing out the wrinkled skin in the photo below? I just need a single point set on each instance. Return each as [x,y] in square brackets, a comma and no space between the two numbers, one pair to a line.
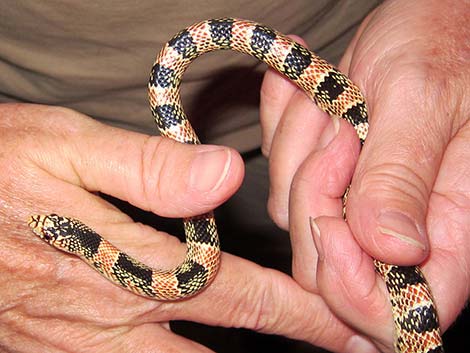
[410,59]
[55,160]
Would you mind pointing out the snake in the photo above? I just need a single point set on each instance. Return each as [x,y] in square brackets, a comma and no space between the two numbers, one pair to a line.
[414,314]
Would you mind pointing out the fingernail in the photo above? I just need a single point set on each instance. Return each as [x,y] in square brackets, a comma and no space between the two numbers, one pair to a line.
[330,132]
[402,227]
[358,344]
[315,230]
[209,169]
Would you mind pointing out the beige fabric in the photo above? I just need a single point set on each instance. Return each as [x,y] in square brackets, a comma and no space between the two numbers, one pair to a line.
[95,57]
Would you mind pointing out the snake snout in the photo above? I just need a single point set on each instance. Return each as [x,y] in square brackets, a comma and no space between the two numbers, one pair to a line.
[44,227]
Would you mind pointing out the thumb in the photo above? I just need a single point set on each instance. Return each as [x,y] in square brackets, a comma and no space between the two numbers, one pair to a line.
[388,203]
[153,173]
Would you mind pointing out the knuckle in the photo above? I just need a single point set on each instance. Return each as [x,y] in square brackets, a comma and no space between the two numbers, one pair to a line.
[395,182]
[154,166]
[261,312]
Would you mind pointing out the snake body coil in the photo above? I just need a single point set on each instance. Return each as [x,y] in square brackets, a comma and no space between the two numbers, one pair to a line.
[416,323]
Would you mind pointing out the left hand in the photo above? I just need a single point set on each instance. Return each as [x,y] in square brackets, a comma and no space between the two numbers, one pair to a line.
[409,60]
[56,160]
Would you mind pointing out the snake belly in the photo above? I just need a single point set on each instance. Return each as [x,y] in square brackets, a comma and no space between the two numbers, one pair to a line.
[414,314]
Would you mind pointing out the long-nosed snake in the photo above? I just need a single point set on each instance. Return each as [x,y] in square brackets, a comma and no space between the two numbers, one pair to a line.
[415,317]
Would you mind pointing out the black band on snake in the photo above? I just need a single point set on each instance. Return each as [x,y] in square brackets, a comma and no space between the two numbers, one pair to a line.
[416,322]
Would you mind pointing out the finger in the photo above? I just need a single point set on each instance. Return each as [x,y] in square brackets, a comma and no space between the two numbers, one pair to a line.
[153,173]
[390,192]
[348,282]
[267,301]
[317,189]
[276,92]
[298,134]
[261,299]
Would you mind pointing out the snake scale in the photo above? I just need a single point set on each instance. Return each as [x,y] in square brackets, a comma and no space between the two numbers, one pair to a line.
[415,317]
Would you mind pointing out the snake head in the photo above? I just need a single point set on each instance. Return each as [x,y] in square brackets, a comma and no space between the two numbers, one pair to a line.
[46,227]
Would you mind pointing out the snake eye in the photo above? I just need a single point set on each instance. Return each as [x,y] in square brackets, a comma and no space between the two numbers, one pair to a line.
[47,236]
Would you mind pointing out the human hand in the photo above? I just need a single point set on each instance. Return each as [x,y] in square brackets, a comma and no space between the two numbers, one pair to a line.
[56,160]
[411,61]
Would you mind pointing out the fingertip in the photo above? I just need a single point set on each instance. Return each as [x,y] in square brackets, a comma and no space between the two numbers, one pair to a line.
[332,234]
[388,234]
[213,168]
[345,269]
[215,173]
[277,211]
[316,235]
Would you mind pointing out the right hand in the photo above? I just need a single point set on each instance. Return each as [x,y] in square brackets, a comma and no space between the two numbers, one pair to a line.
[55,160]
[409,199]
